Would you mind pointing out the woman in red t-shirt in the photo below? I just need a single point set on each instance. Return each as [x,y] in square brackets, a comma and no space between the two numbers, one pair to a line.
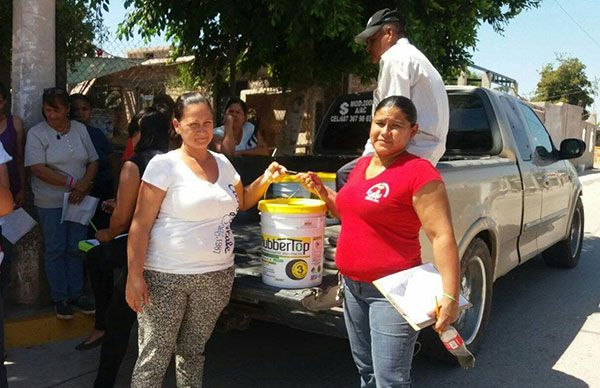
[387,198]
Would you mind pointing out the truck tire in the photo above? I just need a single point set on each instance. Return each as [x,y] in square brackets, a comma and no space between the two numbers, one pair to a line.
[476,274]
[565,253]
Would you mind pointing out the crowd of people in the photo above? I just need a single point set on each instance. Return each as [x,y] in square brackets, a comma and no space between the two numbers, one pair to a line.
[164,223]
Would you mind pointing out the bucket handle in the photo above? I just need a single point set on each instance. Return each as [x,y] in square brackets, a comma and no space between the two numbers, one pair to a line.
[300,186]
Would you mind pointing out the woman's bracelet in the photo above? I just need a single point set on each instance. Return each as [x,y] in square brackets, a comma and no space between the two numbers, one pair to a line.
[70,182]
[450,297]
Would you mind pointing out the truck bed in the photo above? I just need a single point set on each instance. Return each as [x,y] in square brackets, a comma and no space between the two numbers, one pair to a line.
[252,298]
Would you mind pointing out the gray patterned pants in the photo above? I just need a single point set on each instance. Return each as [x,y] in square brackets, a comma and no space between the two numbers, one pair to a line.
[180,317]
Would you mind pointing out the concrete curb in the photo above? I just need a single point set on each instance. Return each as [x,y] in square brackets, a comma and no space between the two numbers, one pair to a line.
[44,328]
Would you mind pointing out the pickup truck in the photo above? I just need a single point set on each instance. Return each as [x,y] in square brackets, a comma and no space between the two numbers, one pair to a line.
[513,195]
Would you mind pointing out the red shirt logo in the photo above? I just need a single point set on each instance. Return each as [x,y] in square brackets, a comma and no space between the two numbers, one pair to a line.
[378,191]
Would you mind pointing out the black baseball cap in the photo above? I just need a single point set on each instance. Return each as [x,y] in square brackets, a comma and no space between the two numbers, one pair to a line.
[377,21]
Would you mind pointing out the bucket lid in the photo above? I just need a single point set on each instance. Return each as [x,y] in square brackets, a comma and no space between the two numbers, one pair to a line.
[287,179]
[327,176]
[292,206]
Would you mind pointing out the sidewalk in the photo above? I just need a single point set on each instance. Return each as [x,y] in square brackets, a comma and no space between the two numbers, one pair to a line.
[58,364]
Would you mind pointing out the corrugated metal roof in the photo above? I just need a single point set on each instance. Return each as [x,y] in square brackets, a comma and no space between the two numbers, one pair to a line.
[95,67]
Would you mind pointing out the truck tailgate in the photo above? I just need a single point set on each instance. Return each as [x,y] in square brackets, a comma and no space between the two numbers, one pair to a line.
[254,299]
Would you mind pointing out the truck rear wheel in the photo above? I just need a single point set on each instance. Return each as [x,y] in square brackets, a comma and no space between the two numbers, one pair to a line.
[565,253]
[476,285]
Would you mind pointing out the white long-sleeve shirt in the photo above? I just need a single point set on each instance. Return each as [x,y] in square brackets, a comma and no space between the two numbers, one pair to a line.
[405,71]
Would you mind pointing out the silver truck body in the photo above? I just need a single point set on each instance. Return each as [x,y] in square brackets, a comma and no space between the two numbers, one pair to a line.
[514,197]
[521,206]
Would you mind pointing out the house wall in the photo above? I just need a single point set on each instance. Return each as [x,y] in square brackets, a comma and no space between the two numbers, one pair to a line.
[271,107]
[565,121]
[131,85]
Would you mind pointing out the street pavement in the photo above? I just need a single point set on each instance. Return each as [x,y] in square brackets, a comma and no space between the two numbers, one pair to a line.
[544,332]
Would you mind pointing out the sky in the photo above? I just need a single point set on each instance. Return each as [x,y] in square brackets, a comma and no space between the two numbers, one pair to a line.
[533,38]
[529,41]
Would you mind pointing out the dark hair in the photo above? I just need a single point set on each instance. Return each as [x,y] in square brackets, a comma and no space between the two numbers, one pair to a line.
[164,103]
[4,92]
[154,130]
[398,27]
[404,104]
[396,20]
[78,96]
[237,100]
[134,123]
[187,99]
[55,96]
[5,95]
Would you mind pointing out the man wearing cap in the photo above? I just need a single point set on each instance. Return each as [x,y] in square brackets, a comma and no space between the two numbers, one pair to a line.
[405,71]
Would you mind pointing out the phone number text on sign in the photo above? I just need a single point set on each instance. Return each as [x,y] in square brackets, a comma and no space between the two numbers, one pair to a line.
[361,112]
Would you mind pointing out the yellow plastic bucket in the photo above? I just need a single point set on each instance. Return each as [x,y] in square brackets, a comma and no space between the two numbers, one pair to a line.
[292,242]
[289,187]
[328,179]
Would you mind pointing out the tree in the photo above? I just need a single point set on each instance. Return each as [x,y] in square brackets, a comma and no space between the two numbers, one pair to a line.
[566,83]
[304,43]
[77,25]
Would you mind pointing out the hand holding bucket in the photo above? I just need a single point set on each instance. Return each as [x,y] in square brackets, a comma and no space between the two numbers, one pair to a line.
[313,182]
[274,173]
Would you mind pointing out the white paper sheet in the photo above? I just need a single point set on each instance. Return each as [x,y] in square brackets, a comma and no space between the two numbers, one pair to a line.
[413,293]
[81,212]
[16,224]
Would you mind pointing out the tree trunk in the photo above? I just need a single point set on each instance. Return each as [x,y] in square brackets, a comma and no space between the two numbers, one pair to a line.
[232,56]
[299,120]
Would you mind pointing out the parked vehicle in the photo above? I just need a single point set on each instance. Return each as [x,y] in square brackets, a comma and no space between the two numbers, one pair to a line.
[513,195]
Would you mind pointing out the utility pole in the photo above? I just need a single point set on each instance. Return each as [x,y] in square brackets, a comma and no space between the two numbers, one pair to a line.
[33,69]
[33,59]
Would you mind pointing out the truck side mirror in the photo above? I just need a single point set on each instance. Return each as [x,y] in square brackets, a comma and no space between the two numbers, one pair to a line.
[571,148]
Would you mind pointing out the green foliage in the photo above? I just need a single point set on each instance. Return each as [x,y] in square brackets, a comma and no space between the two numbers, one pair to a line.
[185,79]
[309,42]
[77,24]
[566,83]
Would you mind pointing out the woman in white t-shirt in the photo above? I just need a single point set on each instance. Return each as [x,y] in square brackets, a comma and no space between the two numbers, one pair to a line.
[180,248]
[237,136]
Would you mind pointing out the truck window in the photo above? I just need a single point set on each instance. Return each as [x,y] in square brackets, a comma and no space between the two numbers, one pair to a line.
[541,140]
[469,132]
[345,128]
[517,128]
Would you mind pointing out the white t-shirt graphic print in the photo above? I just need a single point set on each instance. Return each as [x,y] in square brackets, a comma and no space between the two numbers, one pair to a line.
[192,233]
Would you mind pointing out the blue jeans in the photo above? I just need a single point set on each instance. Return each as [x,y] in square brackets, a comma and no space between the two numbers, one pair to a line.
[64,264]
[382,342]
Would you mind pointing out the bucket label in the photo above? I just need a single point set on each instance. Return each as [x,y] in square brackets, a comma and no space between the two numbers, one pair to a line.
[292,258]
[297,247]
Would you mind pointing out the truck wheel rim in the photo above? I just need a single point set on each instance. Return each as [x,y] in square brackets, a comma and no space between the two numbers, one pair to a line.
[473,287]
[576,232]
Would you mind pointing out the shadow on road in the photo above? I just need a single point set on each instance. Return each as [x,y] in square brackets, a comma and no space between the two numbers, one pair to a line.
[537,312]
[276,356]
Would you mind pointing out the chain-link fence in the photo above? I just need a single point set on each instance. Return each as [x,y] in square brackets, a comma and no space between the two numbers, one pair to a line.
[123,76]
